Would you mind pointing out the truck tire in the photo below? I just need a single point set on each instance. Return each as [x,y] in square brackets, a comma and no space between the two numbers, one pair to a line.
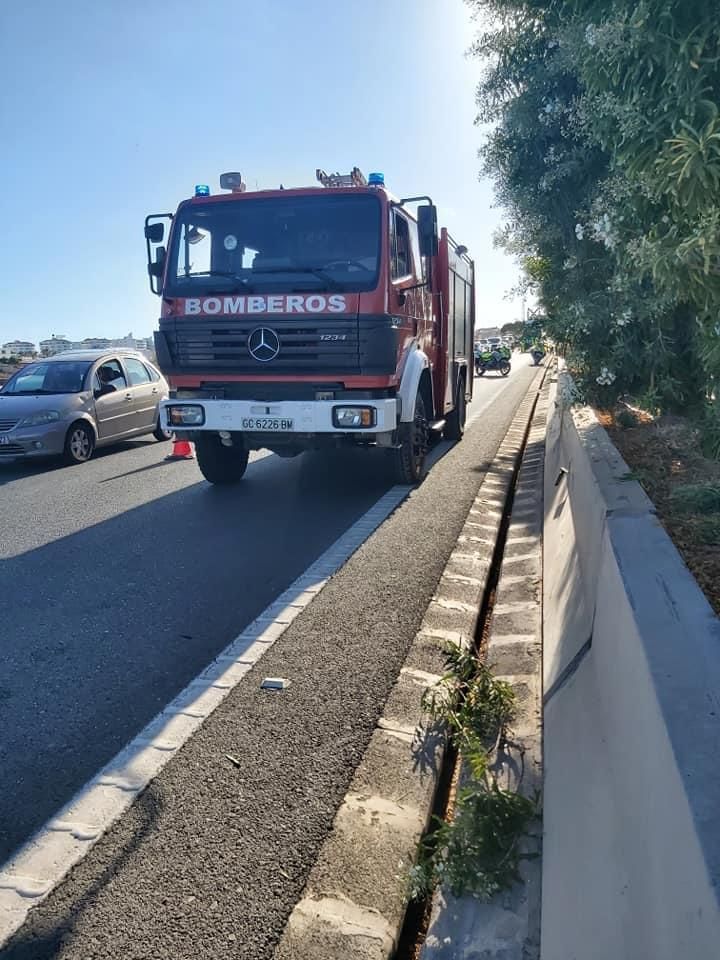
[220,464]
[409,456]
[455,424]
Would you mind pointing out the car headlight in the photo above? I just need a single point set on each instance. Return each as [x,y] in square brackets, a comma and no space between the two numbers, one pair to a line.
[38,419]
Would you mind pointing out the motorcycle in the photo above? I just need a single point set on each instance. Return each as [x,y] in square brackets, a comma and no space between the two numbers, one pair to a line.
[537,356]
[493,360]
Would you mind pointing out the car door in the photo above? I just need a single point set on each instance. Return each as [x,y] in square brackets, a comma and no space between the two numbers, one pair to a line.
[114,412]
[144,394]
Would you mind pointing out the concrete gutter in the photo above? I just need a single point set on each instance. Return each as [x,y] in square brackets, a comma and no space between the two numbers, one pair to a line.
[508,926]
[631,847]
[355,899]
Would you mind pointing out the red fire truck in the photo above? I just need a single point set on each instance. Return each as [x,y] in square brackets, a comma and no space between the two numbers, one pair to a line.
[302,319]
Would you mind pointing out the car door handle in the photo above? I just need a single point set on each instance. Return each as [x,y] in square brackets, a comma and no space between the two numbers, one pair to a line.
[154,389]
[128,396]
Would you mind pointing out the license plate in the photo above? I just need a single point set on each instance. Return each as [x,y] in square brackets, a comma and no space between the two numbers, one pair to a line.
[267,424]
[4,441]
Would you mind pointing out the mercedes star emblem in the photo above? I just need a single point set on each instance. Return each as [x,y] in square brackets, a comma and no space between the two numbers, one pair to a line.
[263,344]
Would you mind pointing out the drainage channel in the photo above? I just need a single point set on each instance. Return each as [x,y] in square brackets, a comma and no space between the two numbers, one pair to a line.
[417,917]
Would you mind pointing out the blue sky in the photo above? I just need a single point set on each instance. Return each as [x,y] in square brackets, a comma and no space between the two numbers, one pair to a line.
[114,109]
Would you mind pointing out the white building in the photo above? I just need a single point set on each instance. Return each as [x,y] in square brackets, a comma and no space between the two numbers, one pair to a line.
[58,343]
[18,348]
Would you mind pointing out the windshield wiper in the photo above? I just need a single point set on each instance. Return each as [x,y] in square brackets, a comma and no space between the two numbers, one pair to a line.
[315,271]
[29,393]
[241,283]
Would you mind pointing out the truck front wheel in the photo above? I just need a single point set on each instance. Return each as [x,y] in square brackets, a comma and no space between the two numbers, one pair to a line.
[413,444]
[218,463]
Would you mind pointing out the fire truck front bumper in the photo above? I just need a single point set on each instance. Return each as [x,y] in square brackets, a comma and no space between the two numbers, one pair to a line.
[368,417]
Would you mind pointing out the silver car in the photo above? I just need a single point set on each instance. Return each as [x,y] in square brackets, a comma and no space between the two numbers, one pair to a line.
[73,402]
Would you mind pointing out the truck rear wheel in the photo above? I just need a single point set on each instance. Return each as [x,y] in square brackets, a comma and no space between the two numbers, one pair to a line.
[410,455]
[220,464]
[455,425]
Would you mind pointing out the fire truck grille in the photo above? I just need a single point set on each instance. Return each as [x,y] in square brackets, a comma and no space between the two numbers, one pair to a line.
[334,345]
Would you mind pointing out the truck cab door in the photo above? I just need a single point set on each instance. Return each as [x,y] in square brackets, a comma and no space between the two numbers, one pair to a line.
[405,274]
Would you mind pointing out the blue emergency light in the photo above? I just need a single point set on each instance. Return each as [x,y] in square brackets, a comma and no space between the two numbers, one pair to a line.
[376,180]
[202,190]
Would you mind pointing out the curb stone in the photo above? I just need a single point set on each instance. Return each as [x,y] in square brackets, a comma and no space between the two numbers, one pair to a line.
[354,902]
[508,926]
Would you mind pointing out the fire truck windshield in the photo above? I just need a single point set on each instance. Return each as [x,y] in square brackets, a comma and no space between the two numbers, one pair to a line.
[275,244]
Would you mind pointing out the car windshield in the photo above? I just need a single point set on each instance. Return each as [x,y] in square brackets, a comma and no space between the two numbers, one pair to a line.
[58,376]
[276,244]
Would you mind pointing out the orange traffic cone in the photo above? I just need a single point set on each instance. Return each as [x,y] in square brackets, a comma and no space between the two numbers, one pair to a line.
[182,450]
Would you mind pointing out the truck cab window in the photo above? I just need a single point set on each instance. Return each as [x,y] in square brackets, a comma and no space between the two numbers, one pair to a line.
[401,256]
[281,244]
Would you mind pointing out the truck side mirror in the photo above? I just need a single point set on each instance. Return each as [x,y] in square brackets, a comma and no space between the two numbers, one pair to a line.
[427,229]
[155,232]
[154,236]
[156,266]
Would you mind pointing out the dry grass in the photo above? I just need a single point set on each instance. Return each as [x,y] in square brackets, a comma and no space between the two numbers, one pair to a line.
[664,455]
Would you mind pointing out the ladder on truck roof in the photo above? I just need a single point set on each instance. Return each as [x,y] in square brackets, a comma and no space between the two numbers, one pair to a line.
[355,178]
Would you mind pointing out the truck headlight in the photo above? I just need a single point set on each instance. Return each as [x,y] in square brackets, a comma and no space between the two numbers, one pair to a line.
[185,415]
[354,418]
[38,419]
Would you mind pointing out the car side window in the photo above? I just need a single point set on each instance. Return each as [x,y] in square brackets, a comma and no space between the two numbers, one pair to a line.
[110,374]
[136,371]
[401,255]
[152,372]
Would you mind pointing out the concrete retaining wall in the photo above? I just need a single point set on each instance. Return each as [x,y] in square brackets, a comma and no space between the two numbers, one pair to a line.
[631,862]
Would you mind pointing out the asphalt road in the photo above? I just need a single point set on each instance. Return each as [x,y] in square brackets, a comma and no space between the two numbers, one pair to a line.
[122,579]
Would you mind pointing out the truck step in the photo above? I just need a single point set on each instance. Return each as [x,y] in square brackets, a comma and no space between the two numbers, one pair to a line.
[436,426]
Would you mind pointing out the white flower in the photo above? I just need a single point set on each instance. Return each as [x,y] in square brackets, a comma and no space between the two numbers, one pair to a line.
[591,35]
[625,318]
[606,377]
[570,263]
[579,231]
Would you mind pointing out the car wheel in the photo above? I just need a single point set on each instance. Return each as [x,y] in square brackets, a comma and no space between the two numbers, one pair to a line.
[79,443]
[160,433]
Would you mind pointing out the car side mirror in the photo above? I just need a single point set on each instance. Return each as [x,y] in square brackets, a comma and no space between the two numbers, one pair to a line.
[427,229]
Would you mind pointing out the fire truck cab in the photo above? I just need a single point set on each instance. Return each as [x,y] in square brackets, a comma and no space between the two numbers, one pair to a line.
[309,318]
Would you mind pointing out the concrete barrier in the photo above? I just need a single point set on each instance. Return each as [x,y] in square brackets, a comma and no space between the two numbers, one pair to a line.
[631,847]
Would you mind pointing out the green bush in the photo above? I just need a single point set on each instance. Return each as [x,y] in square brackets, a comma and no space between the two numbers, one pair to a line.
[697,498]
[604,148]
